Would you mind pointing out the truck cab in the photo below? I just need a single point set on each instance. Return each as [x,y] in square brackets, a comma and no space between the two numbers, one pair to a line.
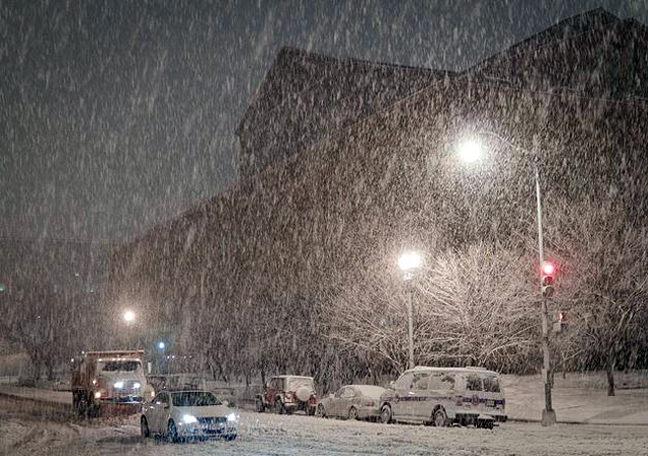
[110,380]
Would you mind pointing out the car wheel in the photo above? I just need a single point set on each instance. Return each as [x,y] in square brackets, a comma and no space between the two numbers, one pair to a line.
[386,414]
[440,418]
[321,411]
[259,405]
[172,432]
[279,406]
[353,413]
[144,428]
[82,404]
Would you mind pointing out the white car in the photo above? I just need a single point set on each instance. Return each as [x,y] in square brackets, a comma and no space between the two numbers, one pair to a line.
[178,415]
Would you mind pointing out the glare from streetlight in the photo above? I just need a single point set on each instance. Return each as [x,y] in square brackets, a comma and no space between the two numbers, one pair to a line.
[409,261]
[161,345]
[129,316]
[470,151]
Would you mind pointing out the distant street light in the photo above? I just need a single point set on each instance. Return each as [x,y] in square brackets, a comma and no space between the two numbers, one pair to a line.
[129,317]
[410,263]
[470,151]
[161,345]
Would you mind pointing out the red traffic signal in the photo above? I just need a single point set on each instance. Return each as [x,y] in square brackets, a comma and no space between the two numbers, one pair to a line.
[548,271]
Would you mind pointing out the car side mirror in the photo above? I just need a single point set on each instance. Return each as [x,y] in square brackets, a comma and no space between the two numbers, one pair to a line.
[226,403]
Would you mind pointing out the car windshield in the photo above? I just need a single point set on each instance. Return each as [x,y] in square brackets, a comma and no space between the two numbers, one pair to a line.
[194,399]
[119,366]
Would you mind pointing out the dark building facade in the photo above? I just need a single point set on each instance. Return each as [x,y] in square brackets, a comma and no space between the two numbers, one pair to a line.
[594,54]
[306,96]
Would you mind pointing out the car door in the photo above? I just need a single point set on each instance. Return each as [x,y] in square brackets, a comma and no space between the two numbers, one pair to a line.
[347,400]
[419,407]
[271,391]
[158,413]
[474,389]
[401,407]
[336,403]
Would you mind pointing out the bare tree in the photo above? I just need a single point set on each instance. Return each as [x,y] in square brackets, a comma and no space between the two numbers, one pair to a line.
[479,307]
[471,307]
[606,256]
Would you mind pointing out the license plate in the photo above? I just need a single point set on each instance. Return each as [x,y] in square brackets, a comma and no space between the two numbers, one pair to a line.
[490,403]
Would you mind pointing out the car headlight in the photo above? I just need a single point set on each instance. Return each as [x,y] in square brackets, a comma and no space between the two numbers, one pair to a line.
[152,393]
[189,419]
[119,385]
[97,395]
[136,385]
[232,418]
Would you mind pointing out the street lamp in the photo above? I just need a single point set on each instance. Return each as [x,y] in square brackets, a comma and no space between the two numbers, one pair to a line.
[129,317]
[471,151]
[409,263]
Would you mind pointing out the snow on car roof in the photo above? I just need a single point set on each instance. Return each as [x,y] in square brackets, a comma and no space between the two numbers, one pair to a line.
[452,369]
[292,376]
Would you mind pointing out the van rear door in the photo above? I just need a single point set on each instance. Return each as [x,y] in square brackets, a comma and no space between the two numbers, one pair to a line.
[493,394]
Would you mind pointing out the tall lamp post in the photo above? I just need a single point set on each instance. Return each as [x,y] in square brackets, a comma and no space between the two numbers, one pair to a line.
[409,263]
[470,152]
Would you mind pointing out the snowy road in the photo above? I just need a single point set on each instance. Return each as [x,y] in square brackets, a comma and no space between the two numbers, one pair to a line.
[29,428]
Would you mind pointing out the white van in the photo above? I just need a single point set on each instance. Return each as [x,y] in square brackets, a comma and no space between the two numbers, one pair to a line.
[443,396]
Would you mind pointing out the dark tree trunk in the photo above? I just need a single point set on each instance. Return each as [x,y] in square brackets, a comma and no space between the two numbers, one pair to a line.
[50,370]
[610,373]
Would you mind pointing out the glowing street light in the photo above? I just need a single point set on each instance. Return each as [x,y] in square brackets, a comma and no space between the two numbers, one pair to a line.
[470,151]
[129,316]
[161,345]
[410,263]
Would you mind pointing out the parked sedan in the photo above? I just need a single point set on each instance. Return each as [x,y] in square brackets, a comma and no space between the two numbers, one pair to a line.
[177,415]
[355,402]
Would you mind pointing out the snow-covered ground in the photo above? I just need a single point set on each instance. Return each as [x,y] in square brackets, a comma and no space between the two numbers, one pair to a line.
[40,422]
[25,431]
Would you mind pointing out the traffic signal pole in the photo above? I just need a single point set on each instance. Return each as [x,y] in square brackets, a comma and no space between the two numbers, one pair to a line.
[548,414]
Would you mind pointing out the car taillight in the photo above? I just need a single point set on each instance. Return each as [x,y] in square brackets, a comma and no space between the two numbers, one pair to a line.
[370,404]
[459,400]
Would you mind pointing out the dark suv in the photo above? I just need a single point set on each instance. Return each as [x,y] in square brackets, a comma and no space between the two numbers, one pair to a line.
[288,394]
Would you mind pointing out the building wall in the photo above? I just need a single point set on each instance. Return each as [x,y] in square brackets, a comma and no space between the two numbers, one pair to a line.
[321,219]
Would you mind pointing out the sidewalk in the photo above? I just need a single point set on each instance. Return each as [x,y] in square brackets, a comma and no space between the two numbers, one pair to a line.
[525,402]
[63,398]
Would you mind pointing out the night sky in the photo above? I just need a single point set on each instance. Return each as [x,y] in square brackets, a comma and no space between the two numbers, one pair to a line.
[117,115]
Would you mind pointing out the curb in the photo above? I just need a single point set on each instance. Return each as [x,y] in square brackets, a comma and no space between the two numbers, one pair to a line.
[579,423]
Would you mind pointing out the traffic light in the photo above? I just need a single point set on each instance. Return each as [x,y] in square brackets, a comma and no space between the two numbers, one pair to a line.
[548,272]
[561,322]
